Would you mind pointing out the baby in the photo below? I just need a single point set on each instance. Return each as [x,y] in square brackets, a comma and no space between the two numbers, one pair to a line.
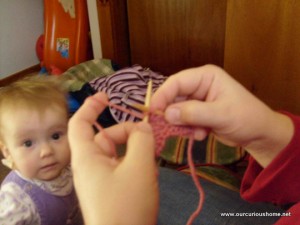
[33,140]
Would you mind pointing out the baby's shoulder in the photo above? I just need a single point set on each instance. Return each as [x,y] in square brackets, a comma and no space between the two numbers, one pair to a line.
[16,205]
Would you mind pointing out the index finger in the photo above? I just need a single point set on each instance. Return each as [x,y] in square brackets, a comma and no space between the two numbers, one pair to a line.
[189,83]
[81,123]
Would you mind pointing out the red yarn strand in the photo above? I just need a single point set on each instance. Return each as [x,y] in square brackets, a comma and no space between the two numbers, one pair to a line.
[196,182]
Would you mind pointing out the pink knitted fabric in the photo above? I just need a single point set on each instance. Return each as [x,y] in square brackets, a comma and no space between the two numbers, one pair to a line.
[163,130]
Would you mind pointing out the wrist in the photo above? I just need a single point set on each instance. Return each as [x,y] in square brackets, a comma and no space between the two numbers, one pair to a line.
[276,133]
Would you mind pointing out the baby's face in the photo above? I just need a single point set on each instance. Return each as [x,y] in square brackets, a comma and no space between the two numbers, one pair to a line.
[37,143]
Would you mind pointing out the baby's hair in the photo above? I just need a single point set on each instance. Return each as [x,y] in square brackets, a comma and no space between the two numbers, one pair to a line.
[36,93]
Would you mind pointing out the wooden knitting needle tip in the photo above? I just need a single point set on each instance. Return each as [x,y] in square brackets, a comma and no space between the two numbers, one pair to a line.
[140,107]
[148,99]
[145,109]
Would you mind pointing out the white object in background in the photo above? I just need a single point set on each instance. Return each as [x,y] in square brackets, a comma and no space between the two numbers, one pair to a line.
[94,27]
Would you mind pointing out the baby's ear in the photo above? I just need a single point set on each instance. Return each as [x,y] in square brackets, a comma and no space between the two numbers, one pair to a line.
[4,150]
[7,161]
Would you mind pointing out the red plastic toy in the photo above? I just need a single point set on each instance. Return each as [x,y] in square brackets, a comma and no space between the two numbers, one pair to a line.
[66,34]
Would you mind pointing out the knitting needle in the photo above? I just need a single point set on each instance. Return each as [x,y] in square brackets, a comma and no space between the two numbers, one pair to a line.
[148,99]
[145,109]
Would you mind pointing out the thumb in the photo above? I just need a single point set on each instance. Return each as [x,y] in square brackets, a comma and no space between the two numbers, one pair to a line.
[140,147]
[195,113]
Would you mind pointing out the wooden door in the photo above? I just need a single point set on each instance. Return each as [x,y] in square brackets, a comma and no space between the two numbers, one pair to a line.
[113,26]
[170,35]
[262,49]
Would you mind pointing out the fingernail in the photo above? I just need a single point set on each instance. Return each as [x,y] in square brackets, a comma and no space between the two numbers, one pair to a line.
[145,127]
[173,115]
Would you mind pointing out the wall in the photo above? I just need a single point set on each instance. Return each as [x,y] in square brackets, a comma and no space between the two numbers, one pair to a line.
[21,23]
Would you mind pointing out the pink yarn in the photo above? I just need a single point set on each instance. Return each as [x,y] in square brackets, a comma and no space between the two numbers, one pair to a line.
[161,131]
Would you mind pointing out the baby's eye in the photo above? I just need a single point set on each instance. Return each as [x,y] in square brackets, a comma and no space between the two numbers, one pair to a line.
[27,143]
[56,136]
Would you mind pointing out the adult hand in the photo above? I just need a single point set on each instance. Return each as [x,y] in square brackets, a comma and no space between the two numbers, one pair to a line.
[209,99]
[113,191]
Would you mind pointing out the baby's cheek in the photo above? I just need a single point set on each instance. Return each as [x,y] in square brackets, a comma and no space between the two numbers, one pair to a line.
[63,158]
[66,153]
[27,169]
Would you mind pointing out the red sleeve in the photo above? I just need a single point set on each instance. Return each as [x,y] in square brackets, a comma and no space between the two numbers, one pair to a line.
[279,182]
[291,216]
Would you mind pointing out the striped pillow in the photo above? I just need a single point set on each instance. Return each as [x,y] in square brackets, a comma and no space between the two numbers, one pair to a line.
[127,87]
